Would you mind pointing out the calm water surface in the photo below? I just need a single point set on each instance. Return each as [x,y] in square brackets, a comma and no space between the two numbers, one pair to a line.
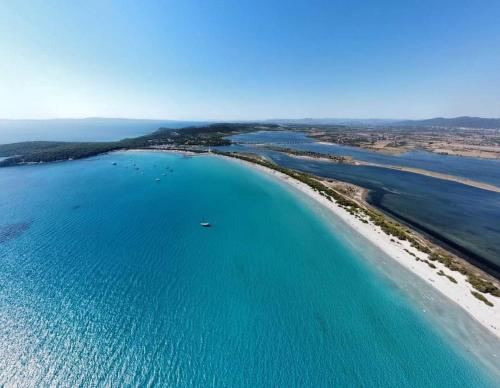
[107,278]
[97,129]
[459,217]
[482,170]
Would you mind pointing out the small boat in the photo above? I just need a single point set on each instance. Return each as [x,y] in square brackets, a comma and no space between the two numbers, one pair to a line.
[205,224]
[114,163]
[157,179]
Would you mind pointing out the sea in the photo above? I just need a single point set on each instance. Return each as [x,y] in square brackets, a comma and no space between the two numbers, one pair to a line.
[460,218]
[108,279]
[89,129]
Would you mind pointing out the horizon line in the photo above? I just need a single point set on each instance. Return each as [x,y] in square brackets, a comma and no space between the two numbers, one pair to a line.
[243,120]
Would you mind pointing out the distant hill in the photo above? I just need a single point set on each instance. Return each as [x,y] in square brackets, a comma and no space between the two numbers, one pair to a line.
[332,121]
[197,138]
[459,122]
[89,129]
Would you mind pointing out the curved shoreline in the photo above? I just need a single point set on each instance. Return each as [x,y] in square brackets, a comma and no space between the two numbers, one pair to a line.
[406,255]
[464,254]
[402,252]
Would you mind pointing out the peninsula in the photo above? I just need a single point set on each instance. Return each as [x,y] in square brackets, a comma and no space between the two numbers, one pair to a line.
[477,292]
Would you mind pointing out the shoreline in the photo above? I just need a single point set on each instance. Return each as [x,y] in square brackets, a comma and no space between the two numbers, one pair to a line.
[179,151]
[411,170]
[436,175]
[461,153]
[406,255]
[433,273]
[467,257]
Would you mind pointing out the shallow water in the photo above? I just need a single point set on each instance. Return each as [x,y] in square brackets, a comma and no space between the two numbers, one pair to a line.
[482,170]
[459,217]
[113,281]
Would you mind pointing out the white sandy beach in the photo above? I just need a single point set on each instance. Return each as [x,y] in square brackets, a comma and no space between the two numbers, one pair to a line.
[459,292]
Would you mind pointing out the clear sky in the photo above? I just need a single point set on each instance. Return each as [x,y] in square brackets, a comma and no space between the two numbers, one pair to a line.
[221,59]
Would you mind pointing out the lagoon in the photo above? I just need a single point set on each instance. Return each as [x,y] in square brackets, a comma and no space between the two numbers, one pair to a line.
[482,170]
[435,207]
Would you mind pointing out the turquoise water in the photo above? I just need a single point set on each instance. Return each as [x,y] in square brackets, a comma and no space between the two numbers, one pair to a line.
[446,204]
[403,195]
[106,277]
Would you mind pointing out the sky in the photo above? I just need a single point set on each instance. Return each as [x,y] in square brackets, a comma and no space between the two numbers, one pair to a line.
[239,60]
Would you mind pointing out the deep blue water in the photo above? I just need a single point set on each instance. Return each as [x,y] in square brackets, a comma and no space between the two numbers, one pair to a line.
[93,129]
[459,217]
[462,217]
[107,278]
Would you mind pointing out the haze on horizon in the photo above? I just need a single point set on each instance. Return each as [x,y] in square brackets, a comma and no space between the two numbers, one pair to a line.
[227,60]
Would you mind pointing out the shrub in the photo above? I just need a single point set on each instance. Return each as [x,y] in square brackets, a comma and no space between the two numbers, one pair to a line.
[481,298]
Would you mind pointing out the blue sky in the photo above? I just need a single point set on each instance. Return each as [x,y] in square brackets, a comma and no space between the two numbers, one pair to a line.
[249,59]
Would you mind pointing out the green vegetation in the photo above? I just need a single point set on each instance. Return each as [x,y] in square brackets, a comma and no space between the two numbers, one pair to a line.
[477,282]
[425,261]
[483,285]
[55,152]
[482,298]
[450,278]
[203,136]
[310,154]
[430,264]
[389,227]
[27,147]
[196,139]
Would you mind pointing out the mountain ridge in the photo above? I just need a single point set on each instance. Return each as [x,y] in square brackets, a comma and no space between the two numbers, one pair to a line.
[457,122]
